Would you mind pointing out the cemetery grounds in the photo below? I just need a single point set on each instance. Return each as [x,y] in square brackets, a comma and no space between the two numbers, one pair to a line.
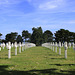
[37,61]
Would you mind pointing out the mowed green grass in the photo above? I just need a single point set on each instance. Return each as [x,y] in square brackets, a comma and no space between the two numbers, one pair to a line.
[37,61]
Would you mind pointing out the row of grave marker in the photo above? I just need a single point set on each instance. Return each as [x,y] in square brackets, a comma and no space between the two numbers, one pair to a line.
[52,45]
[9,46]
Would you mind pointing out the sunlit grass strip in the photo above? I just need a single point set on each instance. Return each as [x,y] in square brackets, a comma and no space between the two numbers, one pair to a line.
[38,59]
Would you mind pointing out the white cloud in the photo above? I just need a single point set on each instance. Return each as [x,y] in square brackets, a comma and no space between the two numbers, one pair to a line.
[39,20]
[71,22]
[29,0]
[9,2]
[47,6]
[3,2]
[2,19]
[51,4]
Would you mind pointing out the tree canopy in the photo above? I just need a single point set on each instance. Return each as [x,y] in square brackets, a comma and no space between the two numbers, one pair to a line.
[11,37]
[36,36]
[0,37]
[64,35]
[0,34]
[19,39]
[47,36]
[26,35]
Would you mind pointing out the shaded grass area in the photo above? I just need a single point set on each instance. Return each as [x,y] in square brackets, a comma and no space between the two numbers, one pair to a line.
[51,71]
[37,61]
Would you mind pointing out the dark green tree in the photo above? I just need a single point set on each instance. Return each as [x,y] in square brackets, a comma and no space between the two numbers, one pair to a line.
[73,37]
[36,36]
[63,35]
[3,40]
[26,35]
[0,37]
[47,36]
[19,39]
[11,37]
[0,34]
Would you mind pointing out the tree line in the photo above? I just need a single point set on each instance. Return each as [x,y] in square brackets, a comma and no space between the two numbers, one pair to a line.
[38,36]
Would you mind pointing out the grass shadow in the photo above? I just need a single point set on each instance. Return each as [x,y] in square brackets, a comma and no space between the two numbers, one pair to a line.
[63,64]
[4,58]
[52,71]
[58,58]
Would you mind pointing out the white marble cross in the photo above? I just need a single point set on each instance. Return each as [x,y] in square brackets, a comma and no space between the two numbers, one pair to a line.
[9,50]
[20,47]
[3,45]
[59,48]
[53,46]
[69,45]
[62,44]
[0,47]
[56,47]
[73,44]
[15,48]
[12,44]
[65,46]
[74,47]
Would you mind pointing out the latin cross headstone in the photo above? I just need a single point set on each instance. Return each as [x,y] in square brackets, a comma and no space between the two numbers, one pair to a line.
[3,45]
[15,48]
[74,47]
[62,44]
[65,46]
[25,46]
[12,44]
[0,47]
[56,47]
[19,47]
[73,44]
[9,50]
[49,45]
[69,45]
[22,46]
[7,45]
[53,46]
[59,48]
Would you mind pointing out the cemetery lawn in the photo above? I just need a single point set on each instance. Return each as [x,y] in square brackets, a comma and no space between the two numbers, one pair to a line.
[37,61]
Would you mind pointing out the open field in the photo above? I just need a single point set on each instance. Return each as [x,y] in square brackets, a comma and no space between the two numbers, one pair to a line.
[37,61]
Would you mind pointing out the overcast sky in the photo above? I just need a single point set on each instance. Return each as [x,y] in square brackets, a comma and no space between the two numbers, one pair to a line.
[19,15]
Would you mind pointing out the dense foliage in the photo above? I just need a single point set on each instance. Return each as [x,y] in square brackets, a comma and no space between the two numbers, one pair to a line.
[11,37]
[38,36]
[63,35]
[19,38]
[47,36]
[0,37]
[26,35]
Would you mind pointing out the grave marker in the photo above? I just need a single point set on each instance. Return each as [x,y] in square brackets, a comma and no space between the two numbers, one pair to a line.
[62,44]
[22,46]
[65,46]
[19,47]
[53,46]
[15,48]
[59,48]
[0,47]
[69,45]
[73,44]
[9,50]
[56,47]
[3,45]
